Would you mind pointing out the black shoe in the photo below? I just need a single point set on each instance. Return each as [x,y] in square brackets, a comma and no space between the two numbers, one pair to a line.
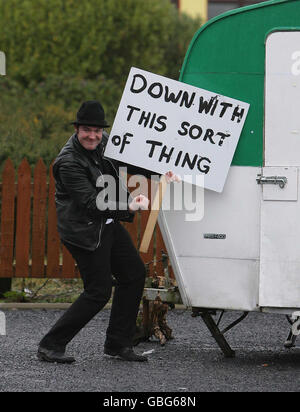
[51,355]
[125,353]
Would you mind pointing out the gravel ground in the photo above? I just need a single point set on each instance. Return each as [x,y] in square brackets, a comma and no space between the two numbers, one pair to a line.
[191,362]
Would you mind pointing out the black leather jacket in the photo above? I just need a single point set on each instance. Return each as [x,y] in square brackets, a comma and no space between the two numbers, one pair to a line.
[76,171]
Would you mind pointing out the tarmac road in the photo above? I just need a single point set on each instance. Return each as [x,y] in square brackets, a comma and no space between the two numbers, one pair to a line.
[191,362]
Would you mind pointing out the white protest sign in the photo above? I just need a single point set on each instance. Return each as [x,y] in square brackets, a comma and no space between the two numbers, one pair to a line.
[163,124]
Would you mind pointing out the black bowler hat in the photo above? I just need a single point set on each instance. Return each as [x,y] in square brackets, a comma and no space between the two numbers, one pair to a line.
[91,113]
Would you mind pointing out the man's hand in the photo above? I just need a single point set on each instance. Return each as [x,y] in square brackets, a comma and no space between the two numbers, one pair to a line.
[139,202]
[171,177]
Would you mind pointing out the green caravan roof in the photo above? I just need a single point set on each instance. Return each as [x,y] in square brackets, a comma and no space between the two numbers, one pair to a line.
[227,56]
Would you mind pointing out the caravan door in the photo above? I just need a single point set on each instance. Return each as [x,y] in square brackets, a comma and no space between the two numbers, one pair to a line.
[280,205]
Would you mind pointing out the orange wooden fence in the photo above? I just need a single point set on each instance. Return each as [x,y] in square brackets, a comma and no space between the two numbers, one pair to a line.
[30,245]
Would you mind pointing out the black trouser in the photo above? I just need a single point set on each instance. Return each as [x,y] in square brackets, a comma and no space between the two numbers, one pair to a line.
[116,255]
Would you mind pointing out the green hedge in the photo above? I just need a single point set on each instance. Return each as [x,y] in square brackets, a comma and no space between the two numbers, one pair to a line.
[62,52]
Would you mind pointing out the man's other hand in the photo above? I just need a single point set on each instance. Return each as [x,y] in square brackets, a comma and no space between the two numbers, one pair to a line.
[139,202]
[172,177]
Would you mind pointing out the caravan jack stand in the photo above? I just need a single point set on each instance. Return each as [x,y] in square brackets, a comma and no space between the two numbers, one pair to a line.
[291,339]
[213,327]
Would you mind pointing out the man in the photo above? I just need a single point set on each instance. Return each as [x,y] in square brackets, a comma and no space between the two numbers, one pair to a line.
[91,231]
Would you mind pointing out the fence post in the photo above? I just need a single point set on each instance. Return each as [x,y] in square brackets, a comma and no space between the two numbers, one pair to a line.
[7,220]
[39,220]
[23,219]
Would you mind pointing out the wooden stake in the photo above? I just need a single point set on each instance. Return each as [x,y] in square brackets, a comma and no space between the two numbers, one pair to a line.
[155,208]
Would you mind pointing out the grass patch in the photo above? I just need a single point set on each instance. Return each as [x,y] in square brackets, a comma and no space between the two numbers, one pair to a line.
[44,290]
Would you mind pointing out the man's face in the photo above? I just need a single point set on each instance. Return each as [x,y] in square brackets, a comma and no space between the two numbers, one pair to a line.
[89,136]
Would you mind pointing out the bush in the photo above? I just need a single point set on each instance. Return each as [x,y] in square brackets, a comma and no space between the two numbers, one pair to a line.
[15,296]
[90,38]
[62,52]
[35,122]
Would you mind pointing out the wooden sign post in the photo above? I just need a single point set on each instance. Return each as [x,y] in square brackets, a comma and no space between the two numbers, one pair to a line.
[155,208]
